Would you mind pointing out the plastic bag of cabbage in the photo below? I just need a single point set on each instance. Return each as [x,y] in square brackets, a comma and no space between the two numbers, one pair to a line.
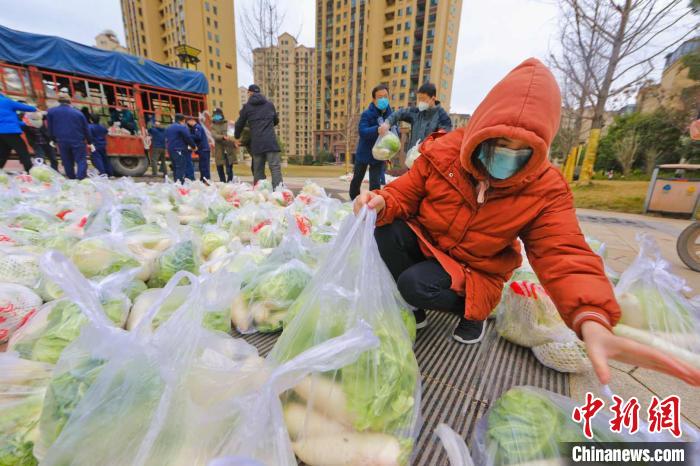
[17,305]
[655,310]
[22,389]
[57,323]
[270,288]
[529,425]
[386,146]
[365,412]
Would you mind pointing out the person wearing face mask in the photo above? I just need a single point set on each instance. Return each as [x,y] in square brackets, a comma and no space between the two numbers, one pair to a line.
[370,121]
[448,229]
[425,118]
[224,150]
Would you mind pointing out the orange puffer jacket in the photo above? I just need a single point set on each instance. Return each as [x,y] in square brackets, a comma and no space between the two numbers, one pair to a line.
[470,222]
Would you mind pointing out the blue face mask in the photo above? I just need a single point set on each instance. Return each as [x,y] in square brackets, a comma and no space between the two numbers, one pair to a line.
[382,103]
[217,118]
[505,162]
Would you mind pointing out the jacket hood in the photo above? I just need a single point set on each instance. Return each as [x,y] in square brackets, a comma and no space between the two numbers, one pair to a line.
[257,99]
[524,105]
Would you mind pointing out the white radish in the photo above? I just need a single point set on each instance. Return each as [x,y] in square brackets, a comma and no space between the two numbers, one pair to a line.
[649,339]
[633,313]
[239,314]
[301,420]
[327,397]
[349,449]
[260,311]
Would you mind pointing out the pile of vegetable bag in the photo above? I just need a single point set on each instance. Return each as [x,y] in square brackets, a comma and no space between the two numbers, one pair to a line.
[528,426]
[366,412]
[655,309]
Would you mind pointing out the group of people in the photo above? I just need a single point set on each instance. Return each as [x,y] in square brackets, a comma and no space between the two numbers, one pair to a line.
[64,127]
[425,118]
[254,130]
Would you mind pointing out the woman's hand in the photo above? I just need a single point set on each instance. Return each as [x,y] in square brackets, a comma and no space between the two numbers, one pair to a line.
[369,199]
[602,345]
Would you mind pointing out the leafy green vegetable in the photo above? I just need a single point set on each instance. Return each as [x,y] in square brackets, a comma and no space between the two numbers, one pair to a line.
[134,288]
[280,286]
[524,425]
[212,240]
[409,321]
[97,256]
[181,256]
[63,395]
[646,308]
[386,146]
[44,174]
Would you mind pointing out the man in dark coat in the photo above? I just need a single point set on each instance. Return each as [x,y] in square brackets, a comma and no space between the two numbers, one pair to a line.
[69,128]
[180,145]
[157,150]
[370,121]
[99,139]
[260,114]
[199,135]
[425,118]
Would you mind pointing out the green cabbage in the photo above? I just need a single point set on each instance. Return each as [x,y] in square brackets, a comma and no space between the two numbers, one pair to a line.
[97,256]
[386,146]
[134,288]
[181,256]
[212,240]
[281,286]
[60,242]
[44,174]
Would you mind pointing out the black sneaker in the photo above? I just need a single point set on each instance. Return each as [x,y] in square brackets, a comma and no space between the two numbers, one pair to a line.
[469,331]
[421,318]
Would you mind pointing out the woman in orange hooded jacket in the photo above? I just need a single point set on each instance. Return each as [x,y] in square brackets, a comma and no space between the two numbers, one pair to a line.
[448,228]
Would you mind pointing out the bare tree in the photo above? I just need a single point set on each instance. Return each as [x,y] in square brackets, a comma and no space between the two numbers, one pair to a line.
[622,56]
[261,23]
[626,151]
[651,154]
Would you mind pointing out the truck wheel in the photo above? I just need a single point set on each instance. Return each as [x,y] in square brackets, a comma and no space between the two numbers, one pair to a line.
[129,166]
[688,247]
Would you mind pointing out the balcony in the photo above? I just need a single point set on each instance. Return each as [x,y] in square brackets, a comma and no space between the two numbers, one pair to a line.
[389,30]
[389,16]
[387,44]
[387,58]
[386,72]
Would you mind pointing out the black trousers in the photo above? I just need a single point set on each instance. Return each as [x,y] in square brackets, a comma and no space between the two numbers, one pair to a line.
[375,177]
[422,282]
[9,142]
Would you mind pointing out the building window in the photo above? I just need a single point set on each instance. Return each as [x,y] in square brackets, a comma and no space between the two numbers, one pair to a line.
[409,10]
[403,83]
[213,90]
[406,40]
[212,76]
[408,26]
[404,69]
[398,27]
[211,63]
[209,35]
[219,77]
[398,41]
[218,65]
[405,55]
[402,96]
[216,24]
[208,21]
[211,50]
[206,6]
[214,10]
[218,52]
[219,91]
[216,38]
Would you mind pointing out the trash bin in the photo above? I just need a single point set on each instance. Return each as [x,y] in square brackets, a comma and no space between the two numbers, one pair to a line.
[674,194]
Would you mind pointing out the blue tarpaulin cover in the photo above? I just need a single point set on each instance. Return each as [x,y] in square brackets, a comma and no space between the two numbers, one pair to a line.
[58,54]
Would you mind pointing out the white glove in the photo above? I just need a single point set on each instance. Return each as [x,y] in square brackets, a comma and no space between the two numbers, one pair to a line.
[52,144]
[92,148]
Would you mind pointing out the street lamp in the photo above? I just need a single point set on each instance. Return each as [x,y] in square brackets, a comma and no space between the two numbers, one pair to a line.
[188,55]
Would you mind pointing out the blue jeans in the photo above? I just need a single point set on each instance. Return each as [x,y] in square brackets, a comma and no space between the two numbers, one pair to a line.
[182,165]
[204,164]
[73,153]
[101,161]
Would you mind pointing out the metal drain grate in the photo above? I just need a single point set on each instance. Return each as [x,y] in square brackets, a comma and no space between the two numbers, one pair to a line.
[460,381]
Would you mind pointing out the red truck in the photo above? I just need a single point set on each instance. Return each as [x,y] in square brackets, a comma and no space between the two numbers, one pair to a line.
[35,67]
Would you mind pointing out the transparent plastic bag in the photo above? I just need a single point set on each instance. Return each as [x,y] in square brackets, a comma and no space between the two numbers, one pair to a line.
[20,267]
[22,389]
[57,323]
[386,146]
[271,288]
[372,405]
[413,154]
[563,356]
[183,255]
[247,419]
[529,425]
[655,310]
[456,448]
[17,305]
[109,382]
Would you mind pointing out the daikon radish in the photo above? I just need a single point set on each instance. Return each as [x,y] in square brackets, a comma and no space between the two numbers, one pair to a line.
[349,449]
[327,397]
[239,314]
[649,339]
[303,421]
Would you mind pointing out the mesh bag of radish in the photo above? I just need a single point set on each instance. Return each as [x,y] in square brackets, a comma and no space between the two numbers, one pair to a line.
[366,412]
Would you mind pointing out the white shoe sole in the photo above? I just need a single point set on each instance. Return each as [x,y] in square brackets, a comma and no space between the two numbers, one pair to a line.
[471,342]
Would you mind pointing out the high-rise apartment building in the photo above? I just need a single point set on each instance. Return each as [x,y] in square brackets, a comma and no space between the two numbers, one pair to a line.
[361,43]
[155,29]
[285,74]
[107,40]
[243,93]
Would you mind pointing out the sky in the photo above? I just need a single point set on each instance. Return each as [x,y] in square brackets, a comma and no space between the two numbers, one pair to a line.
[495,35]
